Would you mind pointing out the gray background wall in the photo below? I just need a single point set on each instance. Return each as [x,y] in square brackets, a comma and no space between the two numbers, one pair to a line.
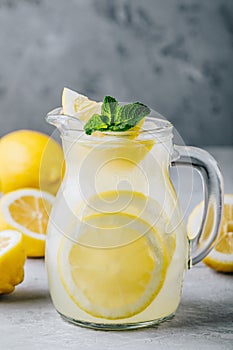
[174,55]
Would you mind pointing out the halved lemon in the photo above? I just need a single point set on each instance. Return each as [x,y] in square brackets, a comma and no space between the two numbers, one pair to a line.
[136,204]
[27,210]
[115,268]
[79,106]
[12,259]
[221,257]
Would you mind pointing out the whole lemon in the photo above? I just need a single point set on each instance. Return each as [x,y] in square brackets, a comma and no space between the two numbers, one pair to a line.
[30,159]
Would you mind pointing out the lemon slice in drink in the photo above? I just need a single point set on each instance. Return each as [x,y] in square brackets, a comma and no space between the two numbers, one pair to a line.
[79,106]
[221,256]
[117,266]
[136,204]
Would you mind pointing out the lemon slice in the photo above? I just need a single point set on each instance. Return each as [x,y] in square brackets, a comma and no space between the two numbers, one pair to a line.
[27,210]
[136,204]
[79,106]
[221,257]
[116,267]
[115,162]
[12,258]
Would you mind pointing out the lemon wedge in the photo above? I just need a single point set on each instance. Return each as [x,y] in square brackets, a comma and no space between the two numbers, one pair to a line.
[221,256]
[115,268]
[79,106]
[27,210]
[12,259]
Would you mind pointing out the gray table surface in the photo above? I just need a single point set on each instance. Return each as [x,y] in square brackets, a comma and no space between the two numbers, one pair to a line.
[204,319]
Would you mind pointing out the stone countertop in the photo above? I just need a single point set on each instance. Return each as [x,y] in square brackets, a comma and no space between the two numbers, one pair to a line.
[204,319]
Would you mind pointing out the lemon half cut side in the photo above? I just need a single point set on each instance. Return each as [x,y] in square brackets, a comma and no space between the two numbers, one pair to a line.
[111,272]
[221,256]
[27,210]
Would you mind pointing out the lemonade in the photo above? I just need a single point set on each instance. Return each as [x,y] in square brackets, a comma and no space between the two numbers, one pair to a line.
[116,247]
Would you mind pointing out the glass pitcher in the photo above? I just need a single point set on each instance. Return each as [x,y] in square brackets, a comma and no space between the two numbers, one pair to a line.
[117,246]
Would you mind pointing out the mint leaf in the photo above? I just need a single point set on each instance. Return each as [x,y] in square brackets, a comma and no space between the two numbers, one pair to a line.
[116,118]
[130,115]
[95,123]
[110,108]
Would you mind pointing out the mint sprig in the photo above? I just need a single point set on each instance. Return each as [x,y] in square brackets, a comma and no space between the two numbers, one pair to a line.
[95,123]
[114,117]
[110,108]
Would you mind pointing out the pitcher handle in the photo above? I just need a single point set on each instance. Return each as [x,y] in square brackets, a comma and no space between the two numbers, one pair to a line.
[212,180]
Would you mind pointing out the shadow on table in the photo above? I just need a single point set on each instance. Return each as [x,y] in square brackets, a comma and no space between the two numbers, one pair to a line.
[25,295]
[205,313]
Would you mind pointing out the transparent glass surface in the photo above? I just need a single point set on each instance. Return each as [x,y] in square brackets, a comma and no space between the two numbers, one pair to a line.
[117,247]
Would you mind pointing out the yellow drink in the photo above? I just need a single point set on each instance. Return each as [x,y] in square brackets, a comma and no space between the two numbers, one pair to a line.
[116,247]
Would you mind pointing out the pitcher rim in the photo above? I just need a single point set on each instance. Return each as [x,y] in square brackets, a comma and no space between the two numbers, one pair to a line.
[61,121]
